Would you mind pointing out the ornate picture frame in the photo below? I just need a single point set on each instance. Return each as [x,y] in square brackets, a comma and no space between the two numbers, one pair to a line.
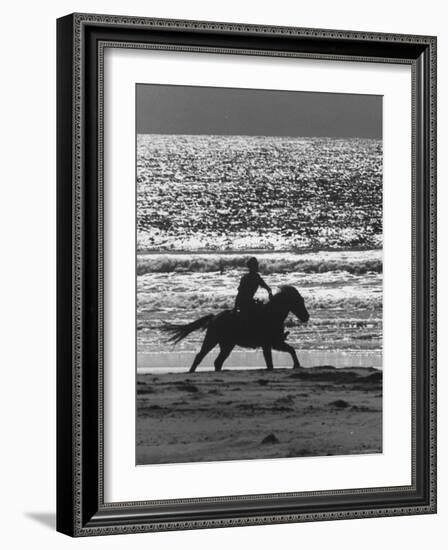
[81,506]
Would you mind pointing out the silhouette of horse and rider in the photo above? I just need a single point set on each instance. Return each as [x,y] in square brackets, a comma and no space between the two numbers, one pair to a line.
[250,324]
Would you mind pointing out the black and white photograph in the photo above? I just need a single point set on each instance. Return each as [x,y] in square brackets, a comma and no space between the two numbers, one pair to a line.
[246,276]
[259,274]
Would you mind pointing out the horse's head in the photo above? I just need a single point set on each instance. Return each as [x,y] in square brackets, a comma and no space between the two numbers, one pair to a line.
[295,302]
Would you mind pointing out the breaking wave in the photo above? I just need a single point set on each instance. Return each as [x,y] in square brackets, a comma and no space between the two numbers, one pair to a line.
[306,263]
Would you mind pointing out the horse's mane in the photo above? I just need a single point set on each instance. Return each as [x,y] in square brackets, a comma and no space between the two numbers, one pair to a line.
[288,290]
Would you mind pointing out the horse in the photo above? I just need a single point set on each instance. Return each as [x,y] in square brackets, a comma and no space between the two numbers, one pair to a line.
[264,328]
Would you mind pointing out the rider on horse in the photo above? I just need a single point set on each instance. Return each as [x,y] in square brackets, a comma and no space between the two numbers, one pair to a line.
[245,303]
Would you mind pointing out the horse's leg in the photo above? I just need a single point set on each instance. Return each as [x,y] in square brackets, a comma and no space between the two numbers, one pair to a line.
[267,352]
[286,347]
[208,344]
[226,350]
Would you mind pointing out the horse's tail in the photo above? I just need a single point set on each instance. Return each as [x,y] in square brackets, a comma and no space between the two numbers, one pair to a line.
[179,332]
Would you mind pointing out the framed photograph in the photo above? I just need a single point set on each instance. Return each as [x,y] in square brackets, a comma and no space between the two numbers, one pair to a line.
[246,274]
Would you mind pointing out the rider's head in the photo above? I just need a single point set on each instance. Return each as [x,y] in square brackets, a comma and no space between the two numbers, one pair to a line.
[252,264]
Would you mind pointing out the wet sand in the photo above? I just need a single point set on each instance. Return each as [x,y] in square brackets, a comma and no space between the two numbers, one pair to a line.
[255,413]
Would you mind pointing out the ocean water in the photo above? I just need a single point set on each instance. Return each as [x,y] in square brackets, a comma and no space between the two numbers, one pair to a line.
[309,209]
[242,192]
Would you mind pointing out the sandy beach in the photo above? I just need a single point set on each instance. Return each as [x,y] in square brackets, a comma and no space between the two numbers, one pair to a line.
[255,413]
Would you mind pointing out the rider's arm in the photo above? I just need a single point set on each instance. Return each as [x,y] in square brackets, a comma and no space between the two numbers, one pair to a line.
[264,285]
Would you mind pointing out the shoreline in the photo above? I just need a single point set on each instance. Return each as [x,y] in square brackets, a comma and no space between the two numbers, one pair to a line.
[163,362]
